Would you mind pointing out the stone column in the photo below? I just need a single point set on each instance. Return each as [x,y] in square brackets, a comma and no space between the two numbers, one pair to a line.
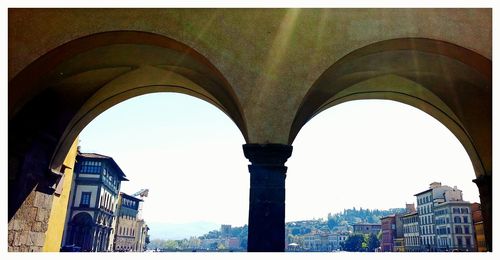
[93,236]
[484,184]
[266,222]
[106,239]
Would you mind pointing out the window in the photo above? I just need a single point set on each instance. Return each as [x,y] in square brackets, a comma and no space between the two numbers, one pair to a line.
[456,219]
[467,242]
[466,219]
[458,230]
[466,229]
[85,199]
[90,167]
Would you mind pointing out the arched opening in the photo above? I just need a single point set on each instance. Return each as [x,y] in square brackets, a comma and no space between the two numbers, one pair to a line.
[383,143]
[187,154]
[442,79]
[80,231]
[56,96]
[368,155]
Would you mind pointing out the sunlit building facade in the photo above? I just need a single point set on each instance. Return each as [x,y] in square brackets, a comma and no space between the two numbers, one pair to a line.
[388,233]
[411,232]
[128,227]
[454,227]
[93,203]
[366,228]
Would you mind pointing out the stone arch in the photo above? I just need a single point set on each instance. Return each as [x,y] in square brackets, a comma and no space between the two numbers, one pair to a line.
[451,83]
[56,96]
[80,231]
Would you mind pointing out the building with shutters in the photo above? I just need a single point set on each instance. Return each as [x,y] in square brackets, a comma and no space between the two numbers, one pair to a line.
[93,203]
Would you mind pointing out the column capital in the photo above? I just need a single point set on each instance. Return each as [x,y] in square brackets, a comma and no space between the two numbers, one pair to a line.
[482,180]
[484,184]
[267,154]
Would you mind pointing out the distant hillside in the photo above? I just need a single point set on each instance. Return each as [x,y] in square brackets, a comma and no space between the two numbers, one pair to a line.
[352,216]
[340,221]
[177,231]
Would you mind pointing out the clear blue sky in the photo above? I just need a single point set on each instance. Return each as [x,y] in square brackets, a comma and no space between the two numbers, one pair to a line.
[370,154]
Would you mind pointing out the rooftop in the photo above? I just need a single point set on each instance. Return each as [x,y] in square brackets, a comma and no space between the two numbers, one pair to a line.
[123,194]
[94,155]
[420,193]
[105,157]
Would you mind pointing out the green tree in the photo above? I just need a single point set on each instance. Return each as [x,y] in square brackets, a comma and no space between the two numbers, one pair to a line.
[194,242]
[171,245]
[372,243]
[364,245]
[221,247]
[156,243]
[244,243]
[353,243]
[183,244]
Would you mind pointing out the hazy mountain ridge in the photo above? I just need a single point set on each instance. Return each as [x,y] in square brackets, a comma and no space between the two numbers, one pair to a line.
[160,230]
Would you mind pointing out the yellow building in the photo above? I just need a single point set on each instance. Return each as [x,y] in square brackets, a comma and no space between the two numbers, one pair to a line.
[399,244]
[55,230]
[480,239]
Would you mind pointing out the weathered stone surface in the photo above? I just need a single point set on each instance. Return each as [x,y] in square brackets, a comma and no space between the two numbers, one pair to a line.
[23,238]
[15,225]
[10,238]
[42,215]
[15,241]
[37,227]
[37,238]
[35,249]
[28,226]
[27,214]
[42,200]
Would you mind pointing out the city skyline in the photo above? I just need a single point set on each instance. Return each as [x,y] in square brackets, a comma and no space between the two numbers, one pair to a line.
[186,126]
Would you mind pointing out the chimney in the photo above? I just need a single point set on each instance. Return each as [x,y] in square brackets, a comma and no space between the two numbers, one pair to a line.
[410,208]
[434,185]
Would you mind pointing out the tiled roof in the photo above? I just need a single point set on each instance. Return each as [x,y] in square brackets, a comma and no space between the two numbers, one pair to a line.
[94,155]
